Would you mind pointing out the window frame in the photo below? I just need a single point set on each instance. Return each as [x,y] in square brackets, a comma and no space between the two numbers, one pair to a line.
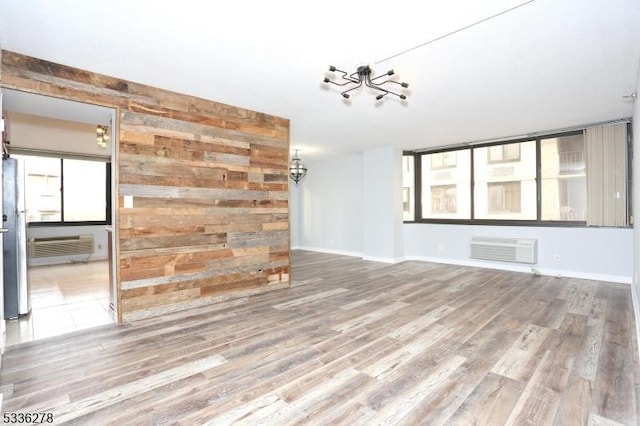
[510,222]
[62,222]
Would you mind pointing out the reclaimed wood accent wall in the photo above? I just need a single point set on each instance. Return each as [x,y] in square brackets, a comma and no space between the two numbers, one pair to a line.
[206,188]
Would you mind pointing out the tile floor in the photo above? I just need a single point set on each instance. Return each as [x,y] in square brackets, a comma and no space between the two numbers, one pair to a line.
[64,298]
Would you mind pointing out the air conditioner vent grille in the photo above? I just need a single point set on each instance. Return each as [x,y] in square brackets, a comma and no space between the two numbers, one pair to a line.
[519,250]
[61,246]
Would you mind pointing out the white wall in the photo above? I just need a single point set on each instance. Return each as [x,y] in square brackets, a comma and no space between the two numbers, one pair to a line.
[99,242]
[635,288]
[3,324]
[328,203]
[592,253]
[382,201]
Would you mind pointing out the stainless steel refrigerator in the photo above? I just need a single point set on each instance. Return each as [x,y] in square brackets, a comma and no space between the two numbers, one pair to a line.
[17,300]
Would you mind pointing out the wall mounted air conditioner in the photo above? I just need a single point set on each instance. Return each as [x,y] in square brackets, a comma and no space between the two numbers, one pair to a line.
[519,250]
[60,246]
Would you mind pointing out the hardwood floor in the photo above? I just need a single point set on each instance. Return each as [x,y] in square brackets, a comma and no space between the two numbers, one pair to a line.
[352,342]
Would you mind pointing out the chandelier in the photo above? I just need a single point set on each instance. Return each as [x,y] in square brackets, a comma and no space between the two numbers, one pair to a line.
[363,76]
[102,133]
[297,169]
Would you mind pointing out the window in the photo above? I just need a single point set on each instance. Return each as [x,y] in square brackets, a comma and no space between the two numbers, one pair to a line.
[505,189]
[564,178]
[503,153]
[406,201]
[408,188]
[577,178]
[607,153]
[63,191]
[42,189]
[446,192]
[84,190]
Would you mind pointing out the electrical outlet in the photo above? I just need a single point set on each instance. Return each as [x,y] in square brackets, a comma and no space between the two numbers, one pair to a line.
[556,257]
[440,248]
[99,246]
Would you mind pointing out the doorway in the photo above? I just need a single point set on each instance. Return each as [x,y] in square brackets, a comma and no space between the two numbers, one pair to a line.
[69,230]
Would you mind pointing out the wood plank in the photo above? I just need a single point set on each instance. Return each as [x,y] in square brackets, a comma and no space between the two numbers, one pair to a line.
[420,323]
[368,318]
[521,360]
[402,405]
[385,365]
[75,409]
[490,403]
[575,405]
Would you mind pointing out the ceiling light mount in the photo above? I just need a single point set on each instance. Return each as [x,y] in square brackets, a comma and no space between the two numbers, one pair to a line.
[363,76]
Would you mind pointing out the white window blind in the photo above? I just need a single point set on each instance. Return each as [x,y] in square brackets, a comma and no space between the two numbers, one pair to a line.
[606,152]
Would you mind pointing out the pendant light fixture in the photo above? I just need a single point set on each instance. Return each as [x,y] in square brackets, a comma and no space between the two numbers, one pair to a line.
[297,169]
[102,134]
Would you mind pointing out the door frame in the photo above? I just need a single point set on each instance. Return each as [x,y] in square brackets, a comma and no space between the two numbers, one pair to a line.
[3,322]
[114,120]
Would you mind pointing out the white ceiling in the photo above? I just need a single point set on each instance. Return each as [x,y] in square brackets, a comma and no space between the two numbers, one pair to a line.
[545,65]
[46,106]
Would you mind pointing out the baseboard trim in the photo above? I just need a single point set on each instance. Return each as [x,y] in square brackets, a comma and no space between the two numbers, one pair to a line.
[382,259]
[621,279]
[636,313]
[526,269]
[329,251]
[351,254]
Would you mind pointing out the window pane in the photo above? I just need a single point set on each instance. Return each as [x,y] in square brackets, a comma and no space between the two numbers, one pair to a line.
[505,181]
[564,178]
[84,191]
[408,184]
[446,192]
[42,188]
